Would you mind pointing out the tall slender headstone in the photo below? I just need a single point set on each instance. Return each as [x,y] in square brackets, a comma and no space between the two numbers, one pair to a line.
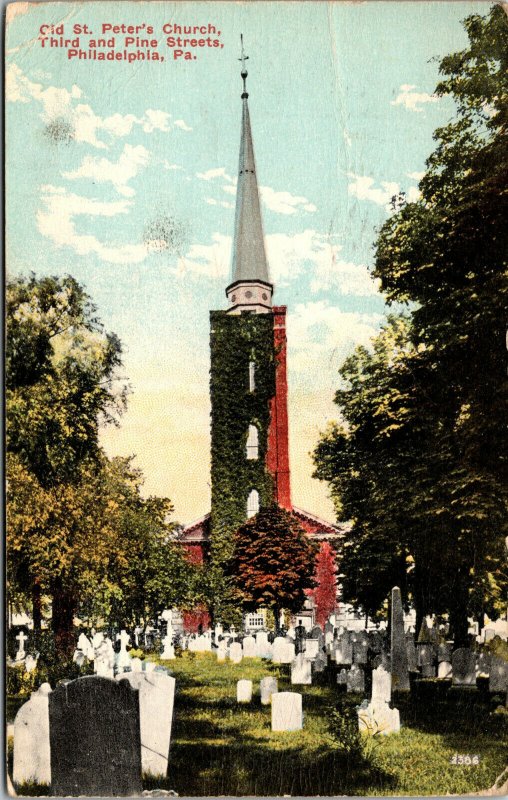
[400,671]
[95,739]
[156,698]
[31,740]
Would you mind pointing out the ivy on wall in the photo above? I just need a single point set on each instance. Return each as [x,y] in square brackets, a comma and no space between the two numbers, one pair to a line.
[235,340]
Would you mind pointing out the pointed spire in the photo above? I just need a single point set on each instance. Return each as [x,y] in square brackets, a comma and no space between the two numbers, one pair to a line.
[249,258]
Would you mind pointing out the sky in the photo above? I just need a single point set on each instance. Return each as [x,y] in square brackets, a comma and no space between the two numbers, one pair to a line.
[100,155]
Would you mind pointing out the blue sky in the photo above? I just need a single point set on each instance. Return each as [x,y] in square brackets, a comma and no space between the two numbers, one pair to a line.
[342,111]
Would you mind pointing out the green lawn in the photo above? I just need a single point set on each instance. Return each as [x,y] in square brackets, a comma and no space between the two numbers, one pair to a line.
[221,748]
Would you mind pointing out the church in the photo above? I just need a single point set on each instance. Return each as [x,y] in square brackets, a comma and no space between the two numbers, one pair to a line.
[248,387]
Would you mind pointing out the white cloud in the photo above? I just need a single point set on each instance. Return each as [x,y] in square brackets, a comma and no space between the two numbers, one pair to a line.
[321,333]
[179,123]
[415,176]
[58,102]
[119,173]
[211,260]
[279,202]
[168,165]
[56,223]
[363,188]
[318,256]
[412,100]
[211,174]
[284,202]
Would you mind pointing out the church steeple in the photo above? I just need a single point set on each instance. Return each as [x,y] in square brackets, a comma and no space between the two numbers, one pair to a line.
[250,288]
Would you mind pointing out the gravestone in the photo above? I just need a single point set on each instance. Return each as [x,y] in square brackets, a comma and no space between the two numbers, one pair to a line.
[444,652]
[279,649]
[343,653]
[136,665]
[464,667]
[263,646]
[356,679]
[156,701]
[426,654]
[235,652]
[168,653]
[95,738]
[244,691]
[498,675]
[342,677]
[31,740]
[287,711]
[360,649]
[149,666]
[31,662]
[400,671]
[123,658]
[222,651]
[428,671]
[21,638]
[483,664]
[104,658]
[377,717]
[444,669]
[267,687]
[301,671]
[311,649]
[412,660]
[86,646]
[249,647]
[320,662]
[288,652]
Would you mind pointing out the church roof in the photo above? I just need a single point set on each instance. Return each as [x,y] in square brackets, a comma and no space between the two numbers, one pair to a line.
[249,257]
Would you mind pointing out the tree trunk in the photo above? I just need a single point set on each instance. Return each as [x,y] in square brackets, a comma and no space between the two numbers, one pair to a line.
[62,621]
[37,610]
[459,625]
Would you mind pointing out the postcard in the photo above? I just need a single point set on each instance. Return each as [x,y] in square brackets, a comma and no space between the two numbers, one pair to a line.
[256,398]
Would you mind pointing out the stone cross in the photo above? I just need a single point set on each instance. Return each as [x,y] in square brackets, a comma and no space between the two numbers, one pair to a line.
[21,638]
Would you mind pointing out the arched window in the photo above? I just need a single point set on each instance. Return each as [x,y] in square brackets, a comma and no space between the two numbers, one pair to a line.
[252,443]
[252,376]
[252,504]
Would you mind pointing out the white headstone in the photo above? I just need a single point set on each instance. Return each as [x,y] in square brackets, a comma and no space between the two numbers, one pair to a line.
[123,659]
[235,652]
[86,646]
[249,647]
[301,671]
[168,653]
[244,691]
[149,667]
[156,699]
[287,711]
[444,669]
[279,649]
[311,648]
[31,662]
[378,718]
[381,685]
[263,647]
[288,652]
[32,756]
[222,651]
[136,665]
[267,687]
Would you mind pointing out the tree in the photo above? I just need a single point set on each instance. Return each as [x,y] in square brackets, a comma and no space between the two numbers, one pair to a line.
[273,562]
[325,592]
[420,464]
[78,528]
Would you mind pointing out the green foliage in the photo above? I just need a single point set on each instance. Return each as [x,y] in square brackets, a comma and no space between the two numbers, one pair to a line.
[273,562]
[420,465]
[235,341]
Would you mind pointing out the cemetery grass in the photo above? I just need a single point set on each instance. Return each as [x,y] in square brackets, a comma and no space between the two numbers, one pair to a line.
[222,748]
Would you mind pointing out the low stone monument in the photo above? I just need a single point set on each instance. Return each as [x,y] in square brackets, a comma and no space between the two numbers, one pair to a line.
[244,691]
[377,717]
[287,711]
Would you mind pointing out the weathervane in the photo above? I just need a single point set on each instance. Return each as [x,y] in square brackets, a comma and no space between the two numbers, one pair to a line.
[244,72]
